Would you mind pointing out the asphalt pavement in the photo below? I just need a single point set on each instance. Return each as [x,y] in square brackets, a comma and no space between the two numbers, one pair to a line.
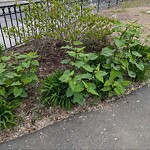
[123,124]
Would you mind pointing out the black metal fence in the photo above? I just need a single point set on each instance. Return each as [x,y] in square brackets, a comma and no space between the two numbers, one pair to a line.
[13,16]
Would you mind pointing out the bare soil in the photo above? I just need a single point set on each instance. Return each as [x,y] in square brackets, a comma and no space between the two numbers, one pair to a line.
[138,14]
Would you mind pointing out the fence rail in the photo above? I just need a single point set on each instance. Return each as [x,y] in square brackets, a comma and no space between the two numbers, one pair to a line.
[13,16]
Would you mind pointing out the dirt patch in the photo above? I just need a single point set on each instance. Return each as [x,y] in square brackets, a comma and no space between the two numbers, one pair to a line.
[50,54]
[138,14]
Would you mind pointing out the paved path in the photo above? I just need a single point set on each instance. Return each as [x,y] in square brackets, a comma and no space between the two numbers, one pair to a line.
[124,124]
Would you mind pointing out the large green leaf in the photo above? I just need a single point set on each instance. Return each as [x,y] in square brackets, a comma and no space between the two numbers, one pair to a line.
[78,49]
[136,54]
[76,87]
[66,47]
[90,87]
[131,60]
[87,67]
[76,43]
[35,63]
[16,83]
[125,63]
[5,58]
[82,76]
[79,63]
[79,98]
[131,74]
[114,74]
[106,88]
[69,92]
[126,83]
[107,51]
[66,76]
[26,64]
[119,43]
[92,56]
[140,66]
[99,75]
[71,53]
[2,91]
[17,91]
[11,75]
[116,67]
[108,83]
[119,90]
[2,66]
[65,61]
[26,80]
[92,91]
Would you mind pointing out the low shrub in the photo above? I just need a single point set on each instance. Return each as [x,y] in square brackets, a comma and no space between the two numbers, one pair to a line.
[17,73]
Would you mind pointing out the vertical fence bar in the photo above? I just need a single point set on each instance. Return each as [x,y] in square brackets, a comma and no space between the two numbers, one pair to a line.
[108,4]
[81,6]
[20,11]
[10,14]
[4,42]
[15,12]
[116,2]
[98,3]
[32,21]
[4,14]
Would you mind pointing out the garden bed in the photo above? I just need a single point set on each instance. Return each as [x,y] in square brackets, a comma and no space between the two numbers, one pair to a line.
[32,115]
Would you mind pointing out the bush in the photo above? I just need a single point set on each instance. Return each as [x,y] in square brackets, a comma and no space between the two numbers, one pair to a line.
[53,91]
[62,20]
[17,73]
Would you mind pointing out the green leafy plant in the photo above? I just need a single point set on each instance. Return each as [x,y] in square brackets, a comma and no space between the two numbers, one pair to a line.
[81,78]
[108,72]
[53,91]
[127,53]
[17,73]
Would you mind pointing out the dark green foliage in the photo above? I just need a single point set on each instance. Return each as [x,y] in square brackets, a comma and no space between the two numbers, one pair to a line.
[17,73]
[144,51]
[1,49]
[54,91]
[7,117]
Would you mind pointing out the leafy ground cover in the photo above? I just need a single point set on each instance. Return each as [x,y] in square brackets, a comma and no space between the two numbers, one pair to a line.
[78,74]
